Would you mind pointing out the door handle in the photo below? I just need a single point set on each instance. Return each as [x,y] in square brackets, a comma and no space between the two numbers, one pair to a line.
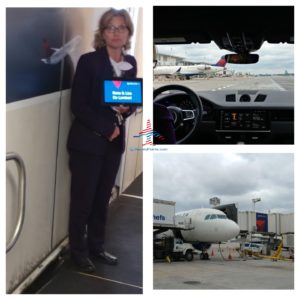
[21,197]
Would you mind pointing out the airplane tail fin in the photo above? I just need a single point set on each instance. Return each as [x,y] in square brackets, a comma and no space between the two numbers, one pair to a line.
[221,62]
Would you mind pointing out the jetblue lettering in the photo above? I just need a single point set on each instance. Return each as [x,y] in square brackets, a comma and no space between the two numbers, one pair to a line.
[159,218]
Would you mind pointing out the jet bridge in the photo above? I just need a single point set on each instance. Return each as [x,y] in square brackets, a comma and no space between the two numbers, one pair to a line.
[230,210]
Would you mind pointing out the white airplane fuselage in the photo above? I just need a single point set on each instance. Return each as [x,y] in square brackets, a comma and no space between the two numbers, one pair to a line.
[59,54]
[199,70]
[209,226]
[166,70]
[191,70]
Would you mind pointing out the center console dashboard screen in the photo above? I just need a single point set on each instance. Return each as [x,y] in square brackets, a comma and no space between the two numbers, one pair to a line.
[231,120]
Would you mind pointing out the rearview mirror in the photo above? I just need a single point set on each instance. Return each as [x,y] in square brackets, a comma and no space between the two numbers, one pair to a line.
[242,58]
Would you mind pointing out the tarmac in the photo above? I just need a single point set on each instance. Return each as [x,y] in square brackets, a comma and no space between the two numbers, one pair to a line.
[228,271]
[277,83]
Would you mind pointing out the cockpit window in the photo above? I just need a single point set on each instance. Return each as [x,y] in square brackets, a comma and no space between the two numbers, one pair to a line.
[213,217]
[221,217]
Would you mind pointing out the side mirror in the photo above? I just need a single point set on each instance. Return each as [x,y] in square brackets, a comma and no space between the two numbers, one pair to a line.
[242,58]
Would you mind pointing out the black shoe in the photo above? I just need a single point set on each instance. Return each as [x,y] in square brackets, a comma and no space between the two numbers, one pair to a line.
[84,264]
[106,257]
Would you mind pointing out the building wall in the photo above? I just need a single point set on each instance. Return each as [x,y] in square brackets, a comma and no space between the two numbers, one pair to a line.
[168,60]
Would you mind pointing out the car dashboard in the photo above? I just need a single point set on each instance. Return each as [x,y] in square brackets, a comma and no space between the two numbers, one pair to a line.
[240,117]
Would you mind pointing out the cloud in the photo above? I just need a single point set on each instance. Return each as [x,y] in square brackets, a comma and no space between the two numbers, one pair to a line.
[192,179]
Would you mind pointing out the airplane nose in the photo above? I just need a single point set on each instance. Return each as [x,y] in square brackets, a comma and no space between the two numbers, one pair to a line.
[229,230]
[234,229]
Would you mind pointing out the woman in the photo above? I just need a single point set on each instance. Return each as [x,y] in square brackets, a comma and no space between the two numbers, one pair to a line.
[96,140]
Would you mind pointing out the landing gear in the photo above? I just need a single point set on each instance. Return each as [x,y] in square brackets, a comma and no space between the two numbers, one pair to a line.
[204,256]
[203,247]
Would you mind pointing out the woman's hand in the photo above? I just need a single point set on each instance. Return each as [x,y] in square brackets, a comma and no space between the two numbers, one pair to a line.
[122,109]
[115,134]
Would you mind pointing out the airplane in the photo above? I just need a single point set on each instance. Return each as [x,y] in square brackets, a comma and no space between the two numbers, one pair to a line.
[208,226]
[192,70]
[59,54]
[167,70]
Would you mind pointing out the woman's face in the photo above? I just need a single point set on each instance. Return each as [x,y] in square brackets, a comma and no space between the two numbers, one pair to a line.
[116,33]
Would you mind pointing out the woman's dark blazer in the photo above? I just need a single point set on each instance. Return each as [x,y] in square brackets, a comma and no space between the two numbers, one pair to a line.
[94,121]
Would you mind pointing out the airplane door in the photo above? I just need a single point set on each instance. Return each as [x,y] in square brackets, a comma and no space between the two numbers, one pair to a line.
[32,134]
[132,164]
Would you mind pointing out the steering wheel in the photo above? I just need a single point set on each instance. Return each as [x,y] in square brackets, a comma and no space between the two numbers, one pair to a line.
[186,121]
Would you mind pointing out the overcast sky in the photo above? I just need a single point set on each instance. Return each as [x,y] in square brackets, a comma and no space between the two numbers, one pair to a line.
[192,179]
[274,58]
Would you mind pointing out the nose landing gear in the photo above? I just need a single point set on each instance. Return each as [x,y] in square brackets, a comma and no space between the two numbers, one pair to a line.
[204,256]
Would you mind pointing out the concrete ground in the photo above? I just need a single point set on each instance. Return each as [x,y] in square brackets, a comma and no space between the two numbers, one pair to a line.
[217,273]
[281,83]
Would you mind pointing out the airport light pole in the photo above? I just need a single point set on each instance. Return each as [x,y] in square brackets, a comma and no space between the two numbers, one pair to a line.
[254,201]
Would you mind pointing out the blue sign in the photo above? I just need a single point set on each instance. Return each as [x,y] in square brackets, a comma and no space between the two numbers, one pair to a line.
[262,222]
[126,92]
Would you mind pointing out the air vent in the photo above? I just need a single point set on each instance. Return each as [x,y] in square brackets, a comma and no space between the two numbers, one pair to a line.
[230,98]
[260,98]
[283,115]
[245,98]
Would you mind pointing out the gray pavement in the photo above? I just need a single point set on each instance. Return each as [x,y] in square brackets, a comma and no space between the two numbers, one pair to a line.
[280,83]
[217,273]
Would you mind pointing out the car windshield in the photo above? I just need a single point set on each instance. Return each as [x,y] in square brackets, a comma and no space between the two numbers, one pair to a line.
[202,67]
